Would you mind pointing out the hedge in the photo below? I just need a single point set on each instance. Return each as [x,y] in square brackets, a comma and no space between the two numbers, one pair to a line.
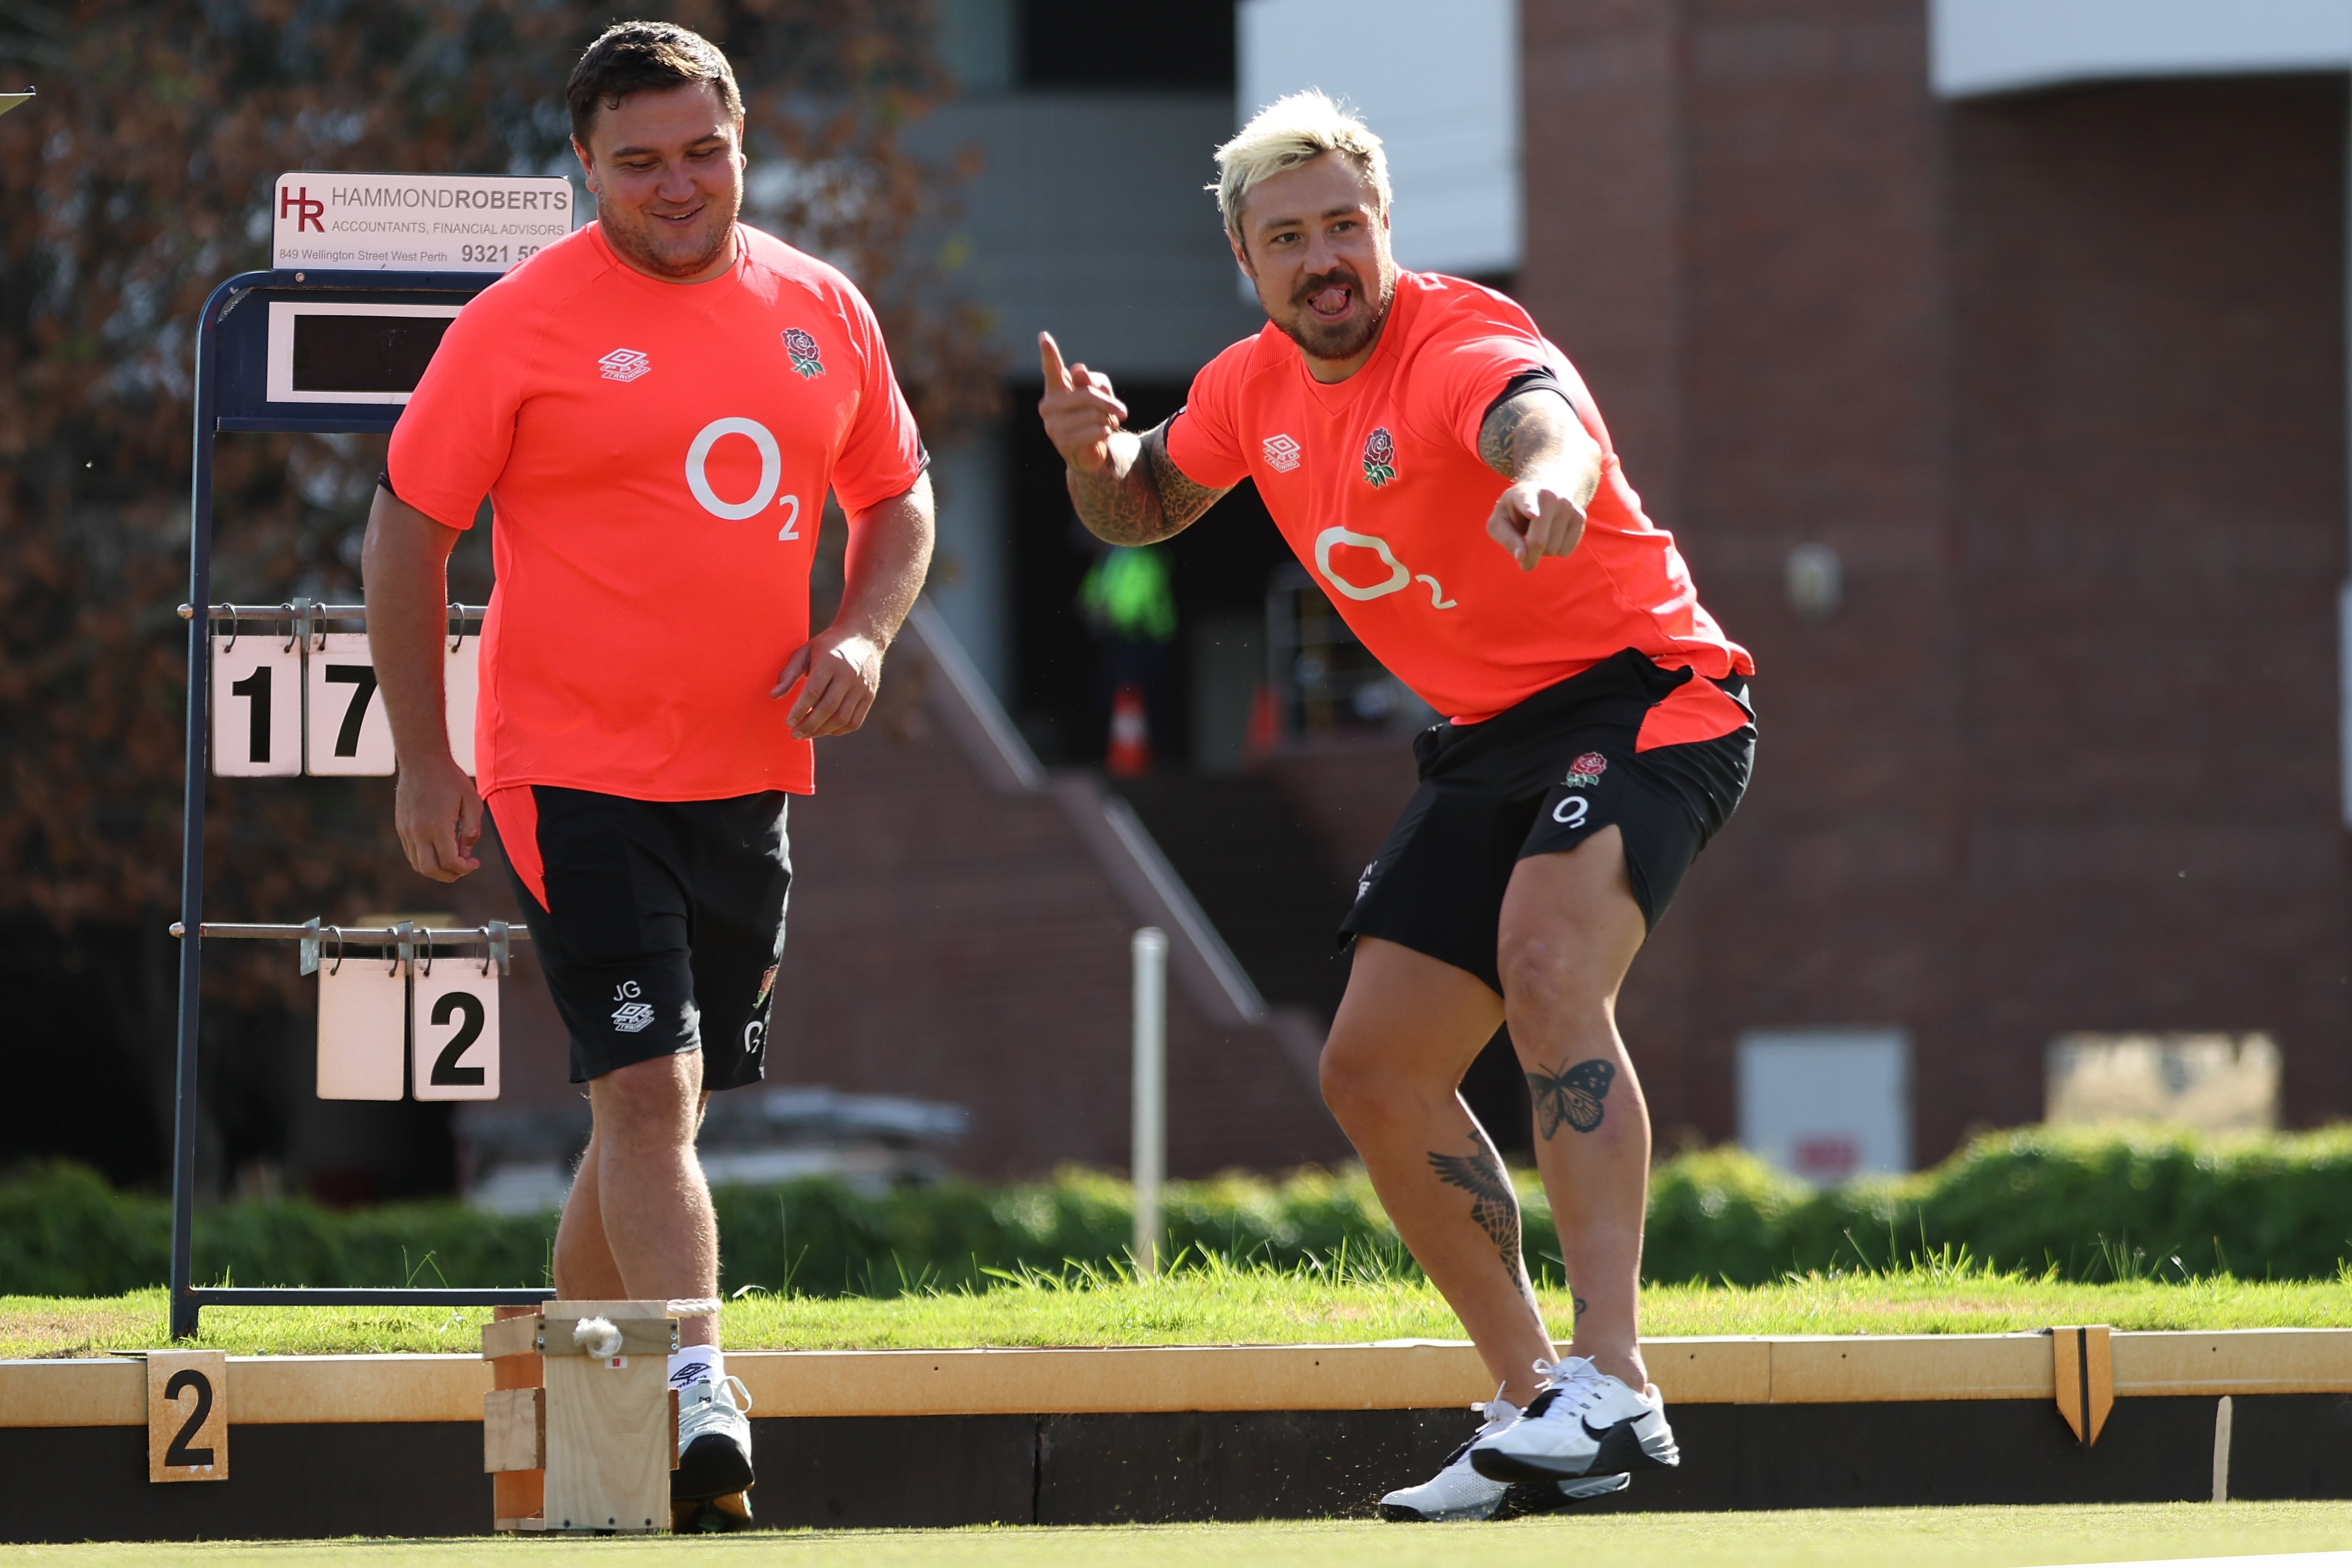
[2086,1204]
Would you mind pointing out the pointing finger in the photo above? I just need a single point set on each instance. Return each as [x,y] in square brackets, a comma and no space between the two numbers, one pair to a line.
[1502,528]
[1049,356]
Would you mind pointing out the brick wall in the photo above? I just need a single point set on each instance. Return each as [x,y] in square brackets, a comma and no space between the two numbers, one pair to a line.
[2060,378]
[955,937]
[2150,534]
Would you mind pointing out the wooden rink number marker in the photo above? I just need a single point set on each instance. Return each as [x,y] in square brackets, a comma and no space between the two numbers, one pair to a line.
[2084,1373]
[187,1415]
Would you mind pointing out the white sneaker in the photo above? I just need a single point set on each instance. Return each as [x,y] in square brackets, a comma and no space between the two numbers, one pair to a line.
[1457,1492]
[1583,1424]
[714,1440]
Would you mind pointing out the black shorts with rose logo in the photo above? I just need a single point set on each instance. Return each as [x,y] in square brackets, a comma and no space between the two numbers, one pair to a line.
[1543,776]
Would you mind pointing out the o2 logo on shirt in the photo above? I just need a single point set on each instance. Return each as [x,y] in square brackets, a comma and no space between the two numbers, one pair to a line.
[771,474]
[1399,578]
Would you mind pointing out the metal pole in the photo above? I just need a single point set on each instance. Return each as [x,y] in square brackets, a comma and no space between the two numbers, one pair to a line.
[1150,1163]
[2343,592]
[185,1310]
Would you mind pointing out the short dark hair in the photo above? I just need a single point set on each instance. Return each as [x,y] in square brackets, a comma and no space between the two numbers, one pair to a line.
[643,57]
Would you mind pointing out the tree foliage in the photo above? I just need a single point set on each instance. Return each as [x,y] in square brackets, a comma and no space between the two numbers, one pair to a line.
[136,180]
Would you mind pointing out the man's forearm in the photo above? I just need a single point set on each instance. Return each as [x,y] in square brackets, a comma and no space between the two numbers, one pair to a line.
[889,554]
[1121,503]
[1140,496]
[1536,436]
[405,567]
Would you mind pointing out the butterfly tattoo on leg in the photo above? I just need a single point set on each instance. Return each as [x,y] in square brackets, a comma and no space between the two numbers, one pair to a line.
[1573,1095]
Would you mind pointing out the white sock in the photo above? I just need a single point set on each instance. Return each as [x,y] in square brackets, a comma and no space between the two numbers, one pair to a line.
[694,1365]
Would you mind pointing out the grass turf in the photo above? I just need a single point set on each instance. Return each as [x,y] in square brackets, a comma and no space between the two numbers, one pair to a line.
[1220,1304]
[1919,1537]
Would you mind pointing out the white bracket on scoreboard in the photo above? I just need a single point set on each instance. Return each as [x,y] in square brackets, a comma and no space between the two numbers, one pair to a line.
[290,696]
[405,1010]
[425,1026]
[363,1025]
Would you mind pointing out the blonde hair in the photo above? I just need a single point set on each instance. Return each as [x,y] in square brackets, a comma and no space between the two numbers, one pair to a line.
[1287,132]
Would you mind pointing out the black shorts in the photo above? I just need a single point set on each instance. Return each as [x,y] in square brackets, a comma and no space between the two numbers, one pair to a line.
[1537,778]
[659,923]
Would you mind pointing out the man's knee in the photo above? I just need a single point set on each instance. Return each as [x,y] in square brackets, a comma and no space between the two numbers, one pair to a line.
[1548,971]
[653,1102]
[1364,1089]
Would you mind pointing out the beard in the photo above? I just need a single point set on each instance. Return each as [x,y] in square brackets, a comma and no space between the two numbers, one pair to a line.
[670,253]
[1337,340]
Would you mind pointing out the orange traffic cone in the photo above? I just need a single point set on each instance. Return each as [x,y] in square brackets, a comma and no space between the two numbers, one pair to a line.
[1130,736]
[1265,722]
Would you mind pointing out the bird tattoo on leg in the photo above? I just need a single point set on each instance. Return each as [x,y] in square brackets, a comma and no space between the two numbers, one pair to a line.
[1492,1203]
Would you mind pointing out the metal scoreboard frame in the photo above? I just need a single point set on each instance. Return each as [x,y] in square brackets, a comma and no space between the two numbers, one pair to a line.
[257,370]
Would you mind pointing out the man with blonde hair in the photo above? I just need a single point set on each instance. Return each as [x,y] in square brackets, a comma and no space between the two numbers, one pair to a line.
[1598,734]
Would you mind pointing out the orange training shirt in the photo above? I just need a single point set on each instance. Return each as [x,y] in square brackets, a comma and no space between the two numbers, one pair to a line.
[1377,484]
[657,455]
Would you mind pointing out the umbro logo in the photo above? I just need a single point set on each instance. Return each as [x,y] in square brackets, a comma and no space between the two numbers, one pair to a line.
[631,1017]
[624,364]
[1281,453]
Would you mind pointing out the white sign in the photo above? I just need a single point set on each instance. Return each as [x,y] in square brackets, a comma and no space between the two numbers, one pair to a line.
[456,1031]
[345,731]
[362,1027]
[1446,103]
[257,704]
[1827,1103]
[461,686]
[2000,46]
[415,223]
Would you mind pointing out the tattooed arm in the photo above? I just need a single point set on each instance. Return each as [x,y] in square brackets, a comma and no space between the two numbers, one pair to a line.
[1139,497]
[1536,441]
[1124,486]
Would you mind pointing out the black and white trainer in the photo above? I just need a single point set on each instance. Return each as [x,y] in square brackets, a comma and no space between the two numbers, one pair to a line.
[1585,1424]
[714,1440]
[1459,1492]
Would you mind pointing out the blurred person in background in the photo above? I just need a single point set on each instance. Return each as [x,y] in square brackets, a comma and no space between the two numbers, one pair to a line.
[1127,604]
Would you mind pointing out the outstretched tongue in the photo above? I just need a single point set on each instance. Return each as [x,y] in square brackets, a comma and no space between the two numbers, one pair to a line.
[1330,301]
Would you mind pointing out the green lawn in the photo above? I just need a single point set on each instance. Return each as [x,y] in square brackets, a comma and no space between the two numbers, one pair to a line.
[1221,1305]
[1917,1538]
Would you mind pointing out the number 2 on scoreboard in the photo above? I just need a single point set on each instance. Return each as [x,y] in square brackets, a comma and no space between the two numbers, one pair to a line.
[456,1050]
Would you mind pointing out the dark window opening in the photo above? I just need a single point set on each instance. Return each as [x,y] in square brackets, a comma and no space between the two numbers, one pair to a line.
[364,353]
[1219,568]
[1082,43]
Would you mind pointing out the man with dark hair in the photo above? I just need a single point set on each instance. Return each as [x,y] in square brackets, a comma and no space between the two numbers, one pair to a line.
[656,405]
[642,57]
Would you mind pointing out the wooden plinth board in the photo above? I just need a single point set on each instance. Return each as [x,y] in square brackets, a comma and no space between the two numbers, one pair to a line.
[607,1443]
[520,1492]
[578,1443]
